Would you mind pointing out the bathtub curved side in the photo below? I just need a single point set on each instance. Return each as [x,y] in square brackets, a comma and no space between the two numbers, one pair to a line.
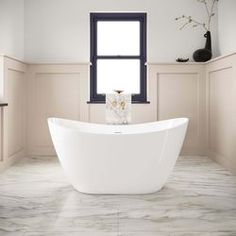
[172,150]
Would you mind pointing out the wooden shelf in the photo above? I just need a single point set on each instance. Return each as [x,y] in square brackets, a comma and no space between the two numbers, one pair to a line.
[3,104]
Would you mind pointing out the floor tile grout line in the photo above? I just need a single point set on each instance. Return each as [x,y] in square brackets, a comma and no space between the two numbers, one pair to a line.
[118,222]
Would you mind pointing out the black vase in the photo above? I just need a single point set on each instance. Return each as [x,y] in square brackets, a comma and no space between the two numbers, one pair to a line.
[204,54]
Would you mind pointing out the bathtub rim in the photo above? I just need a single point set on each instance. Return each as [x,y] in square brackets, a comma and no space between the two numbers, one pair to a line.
[161,125]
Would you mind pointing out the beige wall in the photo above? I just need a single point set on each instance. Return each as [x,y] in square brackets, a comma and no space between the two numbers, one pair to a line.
[53,91]
[62,91]
[180,92]
[221,111]
[203,92]
[13,117]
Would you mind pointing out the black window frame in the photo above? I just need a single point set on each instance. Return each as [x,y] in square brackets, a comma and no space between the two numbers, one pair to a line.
[94,18]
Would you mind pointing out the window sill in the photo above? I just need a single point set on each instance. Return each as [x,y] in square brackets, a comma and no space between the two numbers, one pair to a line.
[103,102]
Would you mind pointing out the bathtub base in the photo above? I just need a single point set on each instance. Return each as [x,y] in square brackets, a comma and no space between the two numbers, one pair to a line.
[118,192]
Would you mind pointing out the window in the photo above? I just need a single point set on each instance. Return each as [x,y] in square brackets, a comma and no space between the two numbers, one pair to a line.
[118,55]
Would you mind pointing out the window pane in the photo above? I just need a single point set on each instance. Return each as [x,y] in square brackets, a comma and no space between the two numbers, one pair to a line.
[118,38]
[118,75]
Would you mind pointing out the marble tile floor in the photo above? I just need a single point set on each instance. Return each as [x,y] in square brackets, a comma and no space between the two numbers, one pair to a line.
[198,200]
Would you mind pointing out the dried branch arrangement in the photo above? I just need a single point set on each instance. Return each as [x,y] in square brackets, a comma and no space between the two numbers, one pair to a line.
[188,20]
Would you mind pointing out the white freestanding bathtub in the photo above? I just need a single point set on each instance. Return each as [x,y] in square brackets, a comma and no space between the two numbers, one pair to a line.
[118,159]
